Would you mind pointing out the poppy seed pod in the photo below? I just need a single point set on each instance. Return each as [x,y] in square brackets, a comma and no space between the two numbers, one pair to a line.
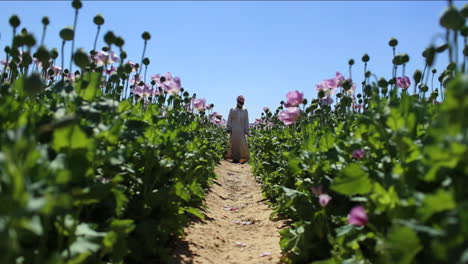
[146,61]
[382,82]
[98,20]
[451,66]
[119,42]
[7,49]
[67,33]
[45,21]
[464,11]
[105,48]
[368,74]
[464,31]
[81,58]
[465,50]
[417,76]
[452,19]
[351,62]
[77,4]
[393,42]
[321,94]
[434,71]
[14,21]
[146,35]
[42,54]
[29,40]
[429,54]
[33,84]
[109,38]
[123,55]
[53,53]
[365,58]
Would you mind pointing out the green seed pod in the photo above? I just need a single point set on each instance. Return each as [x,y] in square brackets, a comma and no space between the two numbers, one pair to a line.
[77,4]
[109,38]
[26,59]
[405,58]
[382,82]
[351,62]
[304,102]
[24,31]
[67,33]
[45,21]
[15,21]
[98,20]
[464,31]
[18,41]
[367,90]
[53,53]
[452,19]
[390,82]
[123,55]
[464,11]
[114,78]
[128,68]
[146,35]
[105,48]
[33,84]
[393,42]
[119,41]
[346,85]
[7,49]
[465,50]
[146,61]
[417,76]
[365,58]
[29,40]
[42,54]
[434,71]
[81,58]
[368,74]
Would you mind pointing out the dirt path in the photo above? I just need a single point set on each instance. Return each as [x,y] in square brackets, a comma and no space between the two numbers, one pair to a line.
[237,228]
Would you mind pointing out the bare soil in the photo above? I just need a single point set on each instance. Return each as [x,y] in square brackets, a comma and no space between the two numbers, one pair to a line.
[237,227]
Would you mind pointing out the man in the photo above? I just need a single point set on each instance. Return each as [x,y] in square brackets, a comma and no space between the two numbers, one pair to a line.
[238,127]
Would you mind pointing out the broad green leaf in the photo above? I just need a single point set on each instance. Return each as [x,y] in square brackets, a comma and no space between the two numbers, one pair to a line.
[327,142]
[92,89]
[70,137]
[402,244]
[440,201]
[352,180]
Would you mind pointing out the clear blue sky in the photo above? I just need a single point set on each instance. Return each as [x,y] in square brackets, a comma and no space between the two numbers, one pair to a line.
[260,49]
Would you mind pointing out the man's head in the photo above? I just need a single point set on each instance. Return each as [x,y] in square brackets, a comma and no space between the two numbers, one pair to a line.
[240,100]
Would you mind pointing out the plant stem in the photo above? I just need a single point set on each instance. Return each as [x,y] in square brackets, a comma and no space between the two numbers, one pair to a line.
[97,35]
[73,40]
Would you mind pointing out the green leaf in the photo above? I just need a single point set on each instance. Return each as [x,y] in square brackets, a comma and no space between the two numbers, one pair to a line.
[70,137]
[440,201]
[352,180]
[327,142]
[92,89]
[402,244]
[195,211]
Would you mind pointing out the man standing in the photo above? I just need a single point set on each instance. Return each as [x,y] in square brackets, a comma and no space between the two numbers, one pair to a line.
[238,127]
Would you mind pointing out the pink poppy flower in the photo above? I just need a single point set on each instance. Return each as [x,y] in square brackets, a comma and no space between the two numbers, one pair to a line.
[199,104]
[357,216]
[324,199]
[403,82]
[295,98]
[358,153]
[290,115]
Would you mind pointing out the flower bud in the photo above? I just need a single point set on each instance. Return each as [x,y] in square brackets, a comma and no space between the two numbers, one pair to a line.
[365,58]
[45,21]
[7,49]
[423,87]
[429,54]
[109,38]
[77,4]
[105,48]
[451,66]
[146,35]
[392,81]
[434,71]
[81,58]
[417,76]
[351,62]
[393,42]
[98,20]
[15,21]
[368,90]
[367,74]
[146,61]
[452,19]
[67,33]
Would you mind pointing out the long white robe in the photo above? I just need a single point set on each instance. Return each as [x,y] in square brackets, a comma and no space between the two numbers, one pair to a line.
[238,124]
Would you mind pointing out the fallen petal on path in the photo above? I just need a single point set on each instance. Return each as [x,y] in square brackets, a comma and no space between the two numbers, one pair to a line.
[264,254]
